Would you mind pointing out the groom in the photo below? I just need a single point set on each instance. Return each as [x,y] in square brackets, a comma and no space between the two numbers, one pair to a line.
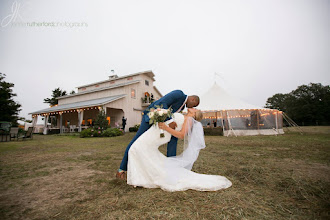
[177,100]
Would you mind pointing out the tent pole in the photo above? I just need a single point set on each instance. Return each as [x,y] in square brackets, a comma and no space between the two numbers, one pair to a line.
[223,127]
[292,123]
[258,120]
[276,123]
[230,127]
[216,117]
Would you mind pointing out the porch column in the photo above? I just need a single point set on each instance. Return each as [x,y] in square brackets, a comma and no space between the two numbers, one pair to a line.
[34,120]
[80,119]
[45,125]
[276,122]
[61,131]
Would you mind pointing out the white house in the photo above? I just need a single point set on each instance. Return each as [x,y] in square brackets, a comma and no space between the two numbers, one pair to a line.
[119,96]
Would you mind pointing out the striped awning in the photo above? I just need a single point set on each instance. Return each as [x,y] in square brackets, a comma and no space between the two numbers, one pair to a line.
[83,104]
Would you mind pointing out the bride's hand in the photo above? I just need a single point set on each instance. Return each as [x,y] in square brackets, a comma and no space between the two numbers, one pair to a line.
[162,125]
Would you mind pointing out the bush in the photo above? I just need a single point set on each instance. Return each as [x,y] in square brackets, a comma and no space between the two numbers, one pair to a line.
[112,132]
[21,131]
[97,132]
[86,133]
[134,129]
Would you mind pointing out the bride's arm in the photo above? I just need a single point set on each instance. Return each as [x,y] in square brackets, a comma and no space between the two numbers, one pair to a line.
[179,134]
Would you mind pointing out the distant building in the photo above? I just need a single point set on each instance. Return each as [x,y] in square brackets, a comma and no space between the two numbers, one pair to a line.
[119,96]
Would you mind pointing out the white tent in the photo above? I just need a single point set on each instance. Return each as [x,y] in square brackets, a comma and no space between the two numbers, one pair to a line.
[237,117]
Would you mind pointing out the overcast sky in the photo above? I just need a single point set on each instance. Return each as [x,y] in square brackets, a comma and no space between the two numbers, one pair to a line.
[258,47]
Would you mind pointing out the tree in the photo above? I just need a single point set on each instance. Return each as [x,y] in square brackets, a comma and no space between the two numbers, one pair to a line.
[9,109]
[56,93]
[277,101]
[307,105]
[101,121]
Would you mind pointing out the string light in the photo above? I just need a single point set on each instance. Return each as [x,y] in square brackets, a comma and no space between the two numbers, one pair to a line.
[66,111]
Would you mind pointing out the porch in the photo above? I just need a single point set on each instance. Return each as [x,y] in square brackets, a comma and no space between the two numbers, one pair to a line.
[75,117]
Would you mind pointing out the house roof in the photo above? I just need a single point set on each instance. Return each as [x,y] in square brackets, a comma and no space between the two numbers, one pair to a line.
[75,105]
[99,89]
[148,72]
[158,91]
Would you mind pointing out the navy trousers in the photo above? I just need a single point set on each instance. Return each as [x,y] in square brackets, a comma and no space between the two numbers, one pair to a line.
[171,146]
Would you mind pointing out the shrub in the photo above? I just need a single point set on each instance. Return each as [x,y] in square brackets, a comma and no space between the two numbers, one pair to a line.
[135,128]
[112,132]
[119,131]
[86,133]
[97,132]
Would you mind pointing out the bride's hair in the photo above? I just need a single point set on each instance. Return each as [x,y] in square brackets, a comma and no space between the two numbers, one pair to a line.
[199,115]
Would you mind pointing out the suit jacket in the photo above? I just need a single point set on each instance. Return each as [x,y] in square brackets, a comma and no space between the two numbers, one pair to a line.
[174,99]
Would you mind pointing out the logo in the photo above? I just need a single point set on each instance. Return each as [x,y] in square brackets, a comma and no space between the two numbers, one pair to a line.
[13,16]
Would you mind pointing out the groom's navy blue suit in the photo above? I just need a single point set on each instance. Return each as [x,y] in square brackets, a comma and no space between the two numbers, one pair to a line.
[175,100]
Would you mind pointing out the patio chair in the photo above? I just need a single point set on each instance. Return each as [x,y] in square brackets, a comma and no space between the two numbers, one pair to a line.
[28,134]
[14,133]
[64,129]
[72,128]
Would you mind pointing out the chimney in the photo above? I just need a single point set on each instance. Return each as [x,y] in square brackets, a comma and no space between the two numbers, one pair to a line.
[113,76]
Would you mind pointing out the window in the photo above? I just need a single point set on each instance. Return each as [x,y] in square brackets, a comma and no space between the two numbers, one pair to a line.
[133,93]
[146,82]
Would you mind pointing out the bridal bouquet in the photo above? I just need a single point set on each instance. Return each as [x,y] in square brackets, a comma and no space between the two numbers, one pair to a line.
[158,114]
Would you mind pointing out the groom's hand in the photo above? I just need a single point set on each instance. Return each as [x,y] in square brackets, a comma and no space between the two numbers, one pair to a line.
[172,125]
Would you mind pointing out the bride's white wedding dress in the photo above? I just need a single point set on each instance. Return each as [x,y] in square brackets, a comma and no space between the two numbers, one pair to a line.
[149,168]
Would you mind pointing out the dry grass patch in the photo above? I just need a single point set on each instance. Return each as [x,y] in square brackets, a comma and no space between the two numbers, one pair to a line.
[63,177]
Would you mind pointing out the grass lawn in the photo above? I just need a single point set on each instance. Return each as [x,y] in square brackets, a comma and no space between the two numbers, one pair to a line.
[67,177]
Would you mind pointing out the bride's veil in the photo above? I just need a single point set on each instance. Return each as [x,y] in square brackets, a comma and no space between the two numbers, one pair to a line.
[193,143]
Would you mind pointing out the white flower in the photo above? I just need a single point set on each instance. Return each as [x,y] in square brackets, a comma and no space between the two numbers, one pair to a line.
[151,114]
[165,111]
[160,113]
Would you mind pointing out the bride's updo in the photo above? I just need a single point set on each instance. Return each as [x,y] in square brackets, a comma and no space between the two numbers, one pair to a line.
[199,115]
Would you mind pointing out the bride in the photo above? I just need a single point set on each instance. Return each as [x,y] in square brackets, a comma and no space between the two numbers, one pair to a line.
[149,168]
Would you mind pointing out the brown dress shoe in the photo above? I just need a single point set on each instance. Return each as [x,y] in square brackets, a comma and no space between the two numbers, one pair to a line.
[121,175]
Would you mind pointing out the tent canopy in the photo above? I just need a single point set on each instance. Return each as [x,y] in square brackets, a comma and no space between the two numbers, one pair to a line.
[216,99]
